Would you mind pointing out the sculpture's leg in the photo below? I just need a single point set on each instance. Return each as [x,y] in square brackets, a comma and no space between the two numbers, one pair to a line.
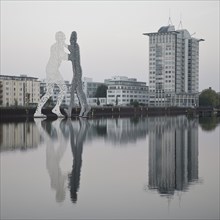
[43,100]
[85,108]
[71,105]
[63,90]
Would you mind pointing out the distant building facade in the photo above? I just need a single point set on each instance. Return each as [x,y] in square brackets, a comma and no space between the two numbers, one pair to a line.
[19,90]
[123,90]
[173,67]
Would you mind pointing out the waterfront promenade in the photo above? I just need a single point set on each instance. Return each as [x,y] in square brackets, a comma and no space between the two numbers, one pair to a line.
[25,112]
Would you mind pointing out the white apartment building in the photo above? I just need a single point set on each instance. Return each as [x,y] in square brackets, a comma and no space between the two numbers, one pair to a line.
[173,67]
[123,90]
[19,90]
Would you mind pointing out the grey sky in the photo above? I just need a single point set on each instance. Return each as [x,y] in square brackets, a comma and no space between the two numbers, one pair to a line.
[109,35]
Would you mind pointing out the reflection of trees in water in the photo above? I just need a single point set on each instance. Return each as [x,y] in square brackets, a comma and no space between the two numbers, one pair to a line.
[209,123]
[101,129]
[135,120]
[119,130]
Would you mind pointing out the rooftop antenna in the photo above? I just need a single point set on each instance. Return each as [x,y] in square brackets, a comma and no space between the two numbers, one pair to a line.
[180,26]
[169,21]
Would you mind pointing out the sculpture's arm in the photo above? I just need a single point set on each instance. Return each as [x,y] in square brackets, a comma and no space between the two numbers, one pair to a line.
[71,55]
[63,55]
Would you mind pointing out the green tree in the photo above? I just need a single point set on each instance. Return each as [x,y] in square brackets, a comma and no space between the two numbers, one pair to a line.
[16,102]
[101,91]
[116,100]
[135,103]
[209,123]
[98,102]
[209,97]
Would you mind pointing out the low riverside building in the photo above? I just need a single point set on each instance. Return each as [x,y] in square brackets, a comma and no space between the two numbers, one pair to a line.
[19,90]
[123,91]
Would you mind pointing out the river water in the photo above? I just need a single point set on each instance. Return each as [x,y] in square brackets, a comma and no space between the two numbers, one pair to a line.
[110,168]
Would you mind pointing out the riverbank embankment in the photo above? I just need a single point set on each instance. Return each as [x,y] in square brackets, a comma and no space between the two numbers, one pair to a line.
[106,111]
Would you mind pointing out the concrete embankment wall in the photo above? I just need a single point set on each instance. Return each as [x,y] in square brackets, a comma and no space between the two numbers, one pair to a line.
[21,112]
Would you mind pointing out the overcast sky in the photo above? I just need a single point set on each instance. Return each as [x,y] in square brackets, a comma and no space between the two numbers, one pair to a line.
[110,35]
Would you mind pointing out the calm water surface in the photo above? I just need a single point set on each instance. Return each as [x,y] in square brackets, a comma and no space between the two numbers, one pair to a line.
[130,168]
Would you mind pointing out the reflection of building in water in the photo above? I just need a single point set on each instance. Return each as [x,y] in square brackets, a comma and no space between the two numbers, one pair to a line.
[21,135]
[98,128]
[119,130]
[126,130]
[173,153]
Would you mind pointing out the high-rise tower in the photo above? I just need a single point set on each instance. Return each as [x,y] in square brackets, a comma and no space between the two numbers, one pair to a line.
[173,67]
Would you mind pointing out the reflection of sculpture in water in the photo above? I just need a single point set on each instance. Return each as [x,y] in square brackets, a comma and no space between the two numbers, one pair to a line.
[53,76]
[77,149]
[74,56]
[55,149]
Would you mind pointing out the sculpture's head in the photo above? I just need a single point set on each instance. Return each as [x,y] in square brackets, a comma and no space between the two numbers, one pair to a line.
[60,36]
[73,37]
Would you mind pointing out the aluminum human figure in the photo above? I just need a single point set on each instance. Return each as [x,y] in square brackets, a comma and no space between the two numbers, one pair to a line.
[53,76]
[74,57]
